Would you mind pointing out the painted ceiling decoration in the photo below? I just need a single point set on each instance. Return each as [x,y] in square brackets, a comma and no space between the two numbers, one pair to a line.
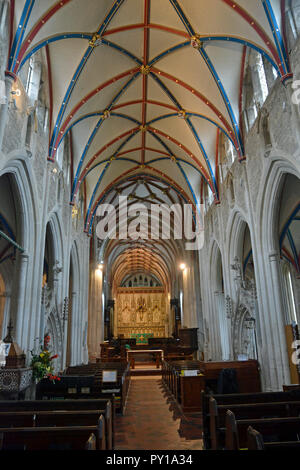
[144,86]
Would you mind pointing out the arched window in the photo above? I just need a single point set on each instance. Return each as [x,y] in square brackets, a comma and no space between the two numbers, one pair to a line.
[30,76]
[258,81]
[292,22]
[60,154]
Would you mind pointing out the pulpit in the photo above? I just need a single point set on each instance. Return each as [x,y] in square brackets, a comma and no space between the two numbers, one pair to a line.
[15,378]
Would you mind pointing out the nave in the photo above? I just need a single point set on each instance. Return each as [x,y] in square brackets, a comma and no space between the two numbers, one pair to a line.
[149,212]
[153,420]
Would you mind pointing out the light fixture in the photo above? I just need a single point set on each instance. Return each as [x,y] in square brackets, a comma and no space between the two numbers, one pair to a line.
[100,266]
[16,92]
[182,266]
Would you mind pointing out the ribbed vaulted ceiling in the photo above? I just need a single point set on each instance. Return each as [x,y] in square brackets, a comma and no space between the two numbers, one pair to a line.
[146,86]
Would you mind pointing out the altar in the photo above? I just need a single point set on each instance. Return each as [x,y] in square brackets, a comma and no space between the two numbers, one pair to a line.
[156,355]
[141,313]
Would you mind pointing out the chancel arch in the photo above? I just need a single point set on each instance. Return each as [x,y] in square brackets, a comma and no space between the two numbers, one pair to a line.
[140,289]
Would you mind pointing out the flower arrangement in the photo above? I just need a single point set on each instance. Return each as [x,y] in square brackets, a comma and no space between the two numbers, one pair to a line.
[41,363]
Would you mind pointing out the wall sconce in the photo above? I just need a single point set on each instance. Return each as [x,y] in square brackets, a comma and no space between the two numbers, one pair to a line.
[100,266]
[99,270]
[182,266]
[16,92]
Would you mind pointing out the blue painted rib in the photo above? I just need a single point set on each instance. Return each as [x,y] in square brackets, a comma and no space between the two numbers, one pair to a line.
[208,62]
[17,43]
[200,116]
[187,182]
[6,225]
[95,130]
[211,39]
[95,191]
[287,225]
[177,159]
[294,250]
[166,90]
[78,71]
[61,37]
[183,18]
[199,142]
[247,261]
[225,98]
[141,175]
[277,35]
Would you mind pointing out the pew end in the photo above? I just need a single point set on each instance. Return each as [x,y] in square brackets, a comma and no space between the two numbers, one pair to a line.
[231,436]
[254,439]
[91,443]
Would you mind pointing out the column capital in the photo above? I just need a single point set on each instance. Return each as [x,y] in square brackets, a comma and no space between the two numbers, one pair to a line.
[274,256]
[5,295]
[10,76]
[287,79]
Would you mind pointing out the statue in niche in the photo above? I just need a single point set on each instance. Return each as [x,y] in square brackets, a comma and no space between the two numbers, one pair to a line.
[126,313]
[141,309]
[156,314]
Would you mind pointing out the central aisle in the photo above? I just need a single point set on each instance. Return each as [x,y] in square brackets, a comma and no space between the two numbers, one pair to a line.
[153,421]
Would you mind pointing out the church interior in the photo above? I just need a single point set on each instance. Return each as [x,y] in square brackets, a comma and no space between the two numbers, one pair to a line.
[149,224]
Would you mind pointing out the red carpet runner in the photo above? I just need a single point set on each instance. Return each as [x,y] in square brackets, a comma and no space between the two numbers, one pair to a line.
[152,420]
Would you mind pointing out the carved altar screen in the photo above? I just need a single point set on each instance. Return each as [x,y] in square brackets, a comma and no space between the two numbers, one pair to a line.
[141,311]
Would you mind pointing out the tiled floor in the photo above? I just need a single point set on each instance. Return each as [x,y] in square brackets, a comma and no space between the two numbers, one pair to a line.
[152,420]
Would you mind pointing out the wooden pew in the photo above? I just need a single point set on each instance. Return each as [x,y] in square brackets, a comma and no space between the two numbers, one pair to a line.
[48,418]
[99,406]
[247,373]
[186,390]
[255,441]
[53,438]
[240,398]
[94,387]
[217,414]
[273,429]
[91,443]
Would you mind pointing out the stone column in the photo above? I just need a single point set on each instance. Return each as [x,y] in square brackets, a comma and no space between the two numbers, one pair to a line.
[223,329]
[277,315]
[65,332]
[217,327]
[5,297]
[43,312]
[21,315]
[229,317]
[9,80]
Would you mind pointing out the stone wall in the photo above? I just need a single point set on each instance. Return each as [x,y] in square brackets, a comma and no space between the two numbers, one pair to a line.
[256,192]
